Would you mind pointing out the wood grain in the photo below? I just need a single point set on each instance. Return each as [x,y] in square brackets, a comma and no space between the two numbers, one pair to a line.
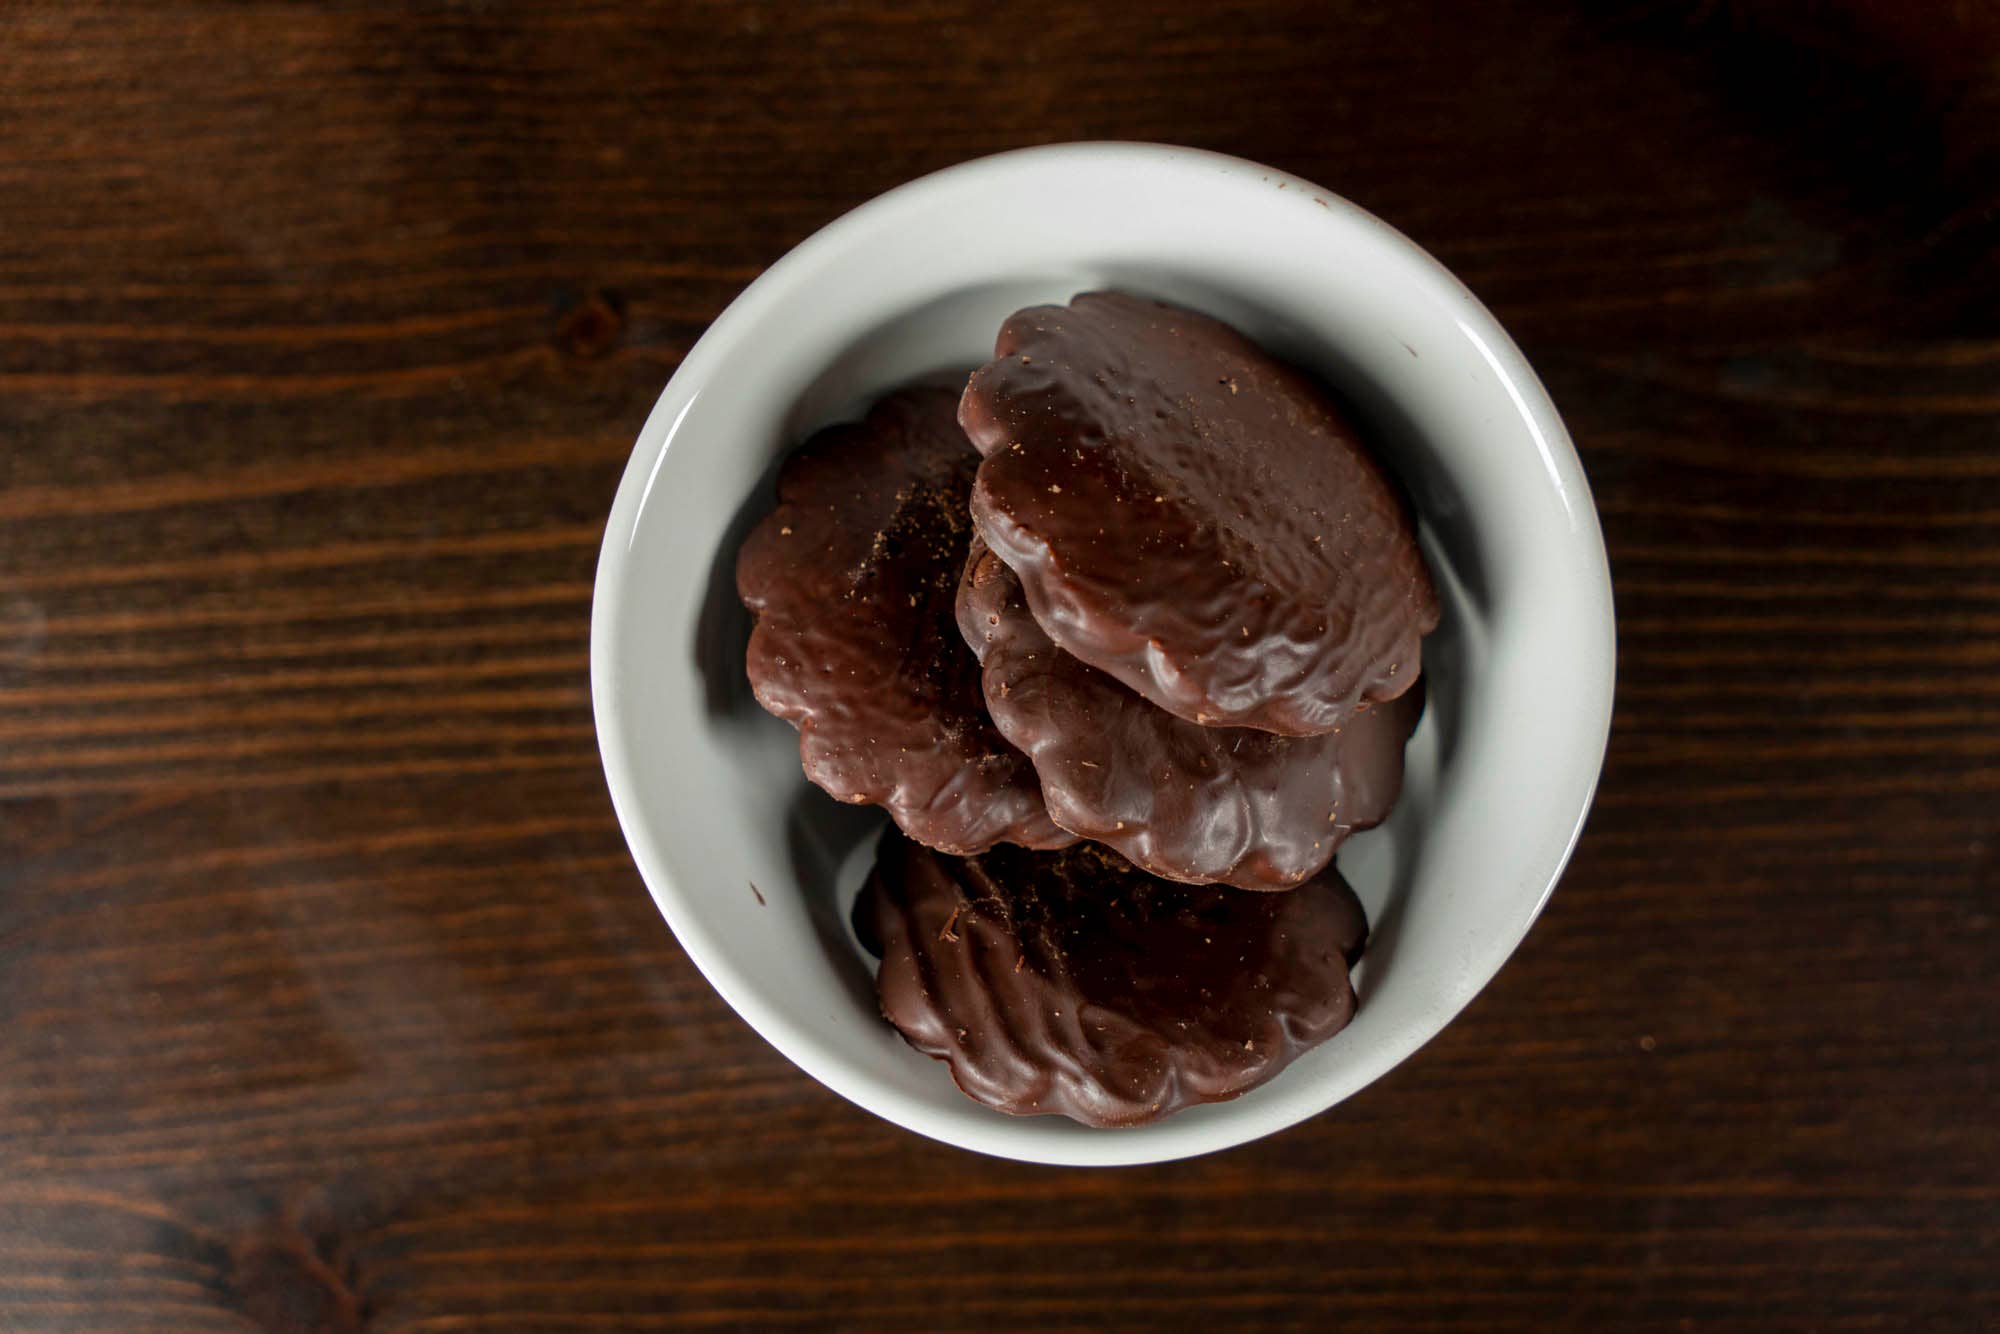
[329,998]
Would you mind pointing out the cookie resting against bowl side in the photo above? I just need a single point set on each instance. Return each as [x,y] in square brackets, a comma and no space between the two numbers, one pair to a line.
[1194,517]
[1070,982]
[1200,804]
[852,580]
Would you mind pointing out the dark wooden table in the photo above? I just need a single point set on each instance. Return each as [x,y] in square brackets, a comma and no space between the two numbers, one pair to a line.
[329,998]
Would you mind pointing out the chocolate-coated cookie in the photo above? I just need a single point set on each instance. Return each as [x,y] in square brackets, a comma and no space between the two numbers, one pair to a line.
[1187,802]
[853,580]
[1194,517]
[1069,982]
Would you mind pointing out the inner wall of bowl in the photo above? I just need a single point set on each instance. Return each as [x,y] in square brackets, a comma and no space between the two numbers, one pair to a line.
[754,868]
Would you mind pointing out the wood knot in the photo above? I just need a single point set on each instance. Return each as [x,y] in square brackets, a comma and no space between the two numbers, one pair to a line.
[281,1284]
[591,328]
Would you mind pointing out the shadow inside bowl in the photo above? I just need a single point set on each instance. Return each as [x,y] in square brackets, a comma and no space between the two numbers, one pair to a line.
[831,845]
[1452,655]
[722,628]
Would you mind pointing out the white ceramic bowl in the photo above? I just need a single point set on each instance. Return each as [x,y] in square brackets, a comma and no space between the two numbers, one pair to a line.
[755,869]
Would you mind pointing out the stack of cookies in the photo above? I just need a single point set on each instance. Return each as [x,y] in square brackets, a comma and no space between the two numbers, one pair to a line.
[1120,635]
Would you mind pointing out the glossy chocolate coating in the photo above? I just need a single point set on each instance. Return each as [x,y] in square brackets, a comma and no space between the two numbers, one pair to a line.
[1187,802]
[853,580]
[1069,982]
[1194,517]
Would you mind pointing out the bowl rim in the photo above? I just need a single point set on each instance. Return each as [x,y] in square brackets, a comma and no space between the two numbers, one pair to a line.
[741,317]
